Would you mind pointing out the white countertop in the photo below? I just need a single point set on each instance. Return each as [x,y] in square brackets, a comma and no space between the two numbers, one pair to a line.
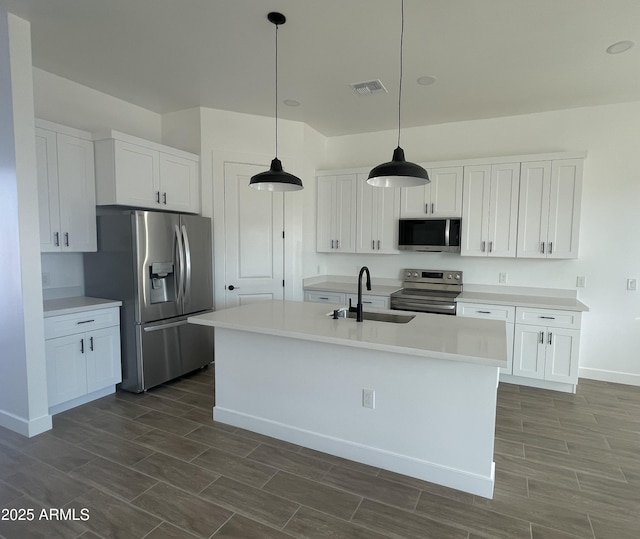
[352,288]
[523,300]
[56,307]
[432,336]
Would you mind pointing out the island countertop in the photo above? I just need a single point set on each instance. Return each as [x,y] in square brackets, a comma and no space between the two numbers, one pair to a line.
[432,336]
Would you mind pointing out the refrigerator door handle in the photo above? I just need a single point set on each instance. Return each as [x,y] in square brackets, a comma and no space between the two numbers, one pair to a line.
[180,264]
[162,327]
[187,258]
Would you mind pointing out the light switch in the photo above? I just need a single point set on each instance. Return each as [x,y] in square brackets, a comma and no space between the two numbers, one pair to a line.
[632,284]
[581,281]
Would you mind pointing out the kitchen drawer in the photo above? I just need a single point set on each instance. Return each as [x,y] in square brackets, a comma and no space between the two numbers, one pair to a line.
[81,322]
[483,310]
[548,318]
[324,297]
[378,302]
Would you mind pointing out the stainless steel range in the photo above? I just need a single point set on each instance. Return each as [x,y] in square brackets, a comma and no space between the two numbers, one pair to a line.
[428,291]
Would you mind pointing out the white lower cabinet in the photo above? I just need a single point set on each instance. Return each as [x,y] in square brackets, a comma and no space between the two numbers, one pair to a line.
[83,357]
[340,298]
[493,312]
[546,345]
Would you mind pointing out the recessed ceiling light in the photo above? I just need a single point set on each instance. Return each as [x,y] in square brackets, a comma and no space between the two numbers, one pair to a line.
[291,103]
[620,47]
[427,80]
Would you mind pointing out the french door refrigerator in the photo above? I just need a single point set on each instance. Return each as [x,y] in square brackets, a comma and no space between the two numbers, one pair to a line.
[159,265]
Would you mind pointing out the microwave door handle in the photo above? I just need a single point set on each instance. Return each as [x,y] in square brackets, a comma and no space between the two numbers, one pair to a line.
[187,259]
[447,230]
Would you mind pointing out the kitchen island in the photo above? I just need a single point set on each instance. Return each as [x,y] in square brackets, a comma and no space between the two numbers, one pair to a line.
[416,398]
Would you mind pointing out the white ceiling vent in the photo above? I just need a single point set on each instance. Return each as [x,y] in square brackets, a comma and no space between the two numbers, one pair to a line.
[368,87]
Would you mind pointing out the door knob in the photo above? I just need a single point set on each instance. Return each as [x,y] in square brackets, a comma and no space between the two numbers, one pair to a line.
[231,287]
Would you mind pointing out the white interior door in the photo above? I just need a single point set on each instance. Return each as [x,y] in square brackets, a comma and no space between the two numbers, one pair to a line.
[254,243]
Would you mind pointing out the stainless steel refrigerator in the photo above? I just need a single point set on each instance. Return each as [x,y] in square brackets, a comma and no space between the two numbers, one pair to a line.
[159,266]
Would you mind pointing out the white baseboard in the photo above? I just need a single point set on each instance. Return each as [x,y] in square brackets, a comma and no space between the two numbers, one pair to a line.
[373,456]
[23,426]
[534,382]
[64,406]
[609,376]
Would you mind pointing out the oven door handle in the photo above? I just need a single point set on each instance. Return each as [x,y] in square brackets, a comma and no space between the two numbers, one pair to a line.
[423,306]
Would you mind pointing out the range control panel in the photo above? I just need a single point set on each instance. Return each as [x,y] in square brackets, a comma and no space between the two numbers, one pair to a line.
[433,276]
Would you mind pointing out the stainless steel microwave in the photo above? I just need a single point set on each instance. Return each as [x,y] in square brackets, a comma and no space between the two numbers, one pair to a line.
[429,235]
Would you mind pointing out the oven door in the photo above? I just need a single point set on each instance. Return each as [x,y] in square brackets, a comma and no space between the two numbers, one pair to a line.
[423,306]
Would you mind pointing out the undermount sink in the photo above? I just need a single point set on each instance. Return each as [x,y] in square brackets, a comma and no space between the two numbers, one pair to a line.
[384,317]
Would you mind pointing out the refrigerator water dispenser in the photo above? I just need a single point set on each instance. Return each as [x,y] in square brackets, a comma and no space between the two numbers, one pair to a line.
[162,282]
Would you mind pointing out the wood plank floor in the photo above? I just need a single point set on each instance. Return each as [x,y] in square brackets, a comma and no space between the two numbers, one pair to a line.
[156,466]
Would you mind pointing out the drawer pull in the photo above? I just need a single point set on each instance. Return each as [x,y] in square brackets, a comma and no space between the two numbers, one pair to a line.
[326,299]
[484,312]
[84,322]
[548,317]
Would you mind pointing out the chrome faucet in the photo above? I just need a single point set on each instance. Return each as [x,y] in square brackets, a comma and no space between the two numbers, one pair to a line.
[363,269]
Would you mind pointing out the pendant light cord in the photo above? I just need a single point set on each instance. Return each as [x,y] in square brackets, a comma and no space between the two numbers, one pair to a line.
[277,90]
[401,47]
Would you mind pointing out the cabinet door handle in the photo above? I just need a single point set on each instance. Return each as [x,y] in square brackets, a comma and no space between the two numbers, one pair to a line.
[484,244]
[337,244]
[164,198]
[158,197]
[373,244]
[490,246]
[550,337]
[550,247]
[91,343]
[82,346]
[56,239]
[66,239]
[84,322]
[542,247]
[324,299]
[332,244]
[541,337]
[484,312]
[378,244]
[433,207]
[426,208]
[548,317]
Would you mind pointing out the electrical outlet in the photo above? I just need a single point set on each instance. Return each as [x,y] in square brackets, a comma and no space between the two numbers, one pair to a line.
[502,278]
[46,278]
[632,284]
[581,281]
[368,398]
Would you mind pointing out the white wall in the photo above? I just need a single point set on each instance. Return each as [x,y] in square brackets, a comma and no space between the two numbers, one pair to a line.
[23,385]
[609,245]
[231,136]
[69,103]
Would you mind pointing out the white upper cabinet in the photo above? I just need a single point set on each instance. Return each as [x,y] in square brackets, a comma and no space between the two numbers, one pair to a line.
[66,188]
[142,174]
[549,212]
[490,210]
[378,211]
[336,219]
[442,197]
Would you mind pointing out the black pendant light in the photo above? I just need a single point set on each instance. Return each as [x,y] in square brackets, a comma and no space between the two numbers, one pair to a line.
[398,172]
[276,179]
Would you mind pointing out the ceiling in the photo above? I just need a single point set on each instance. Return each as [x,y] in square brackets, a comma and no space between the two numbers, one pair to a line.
[490,57]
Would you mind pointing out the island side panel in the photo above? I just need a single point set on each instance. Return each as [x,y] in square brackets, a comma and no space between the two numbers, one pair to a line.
[433,419]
